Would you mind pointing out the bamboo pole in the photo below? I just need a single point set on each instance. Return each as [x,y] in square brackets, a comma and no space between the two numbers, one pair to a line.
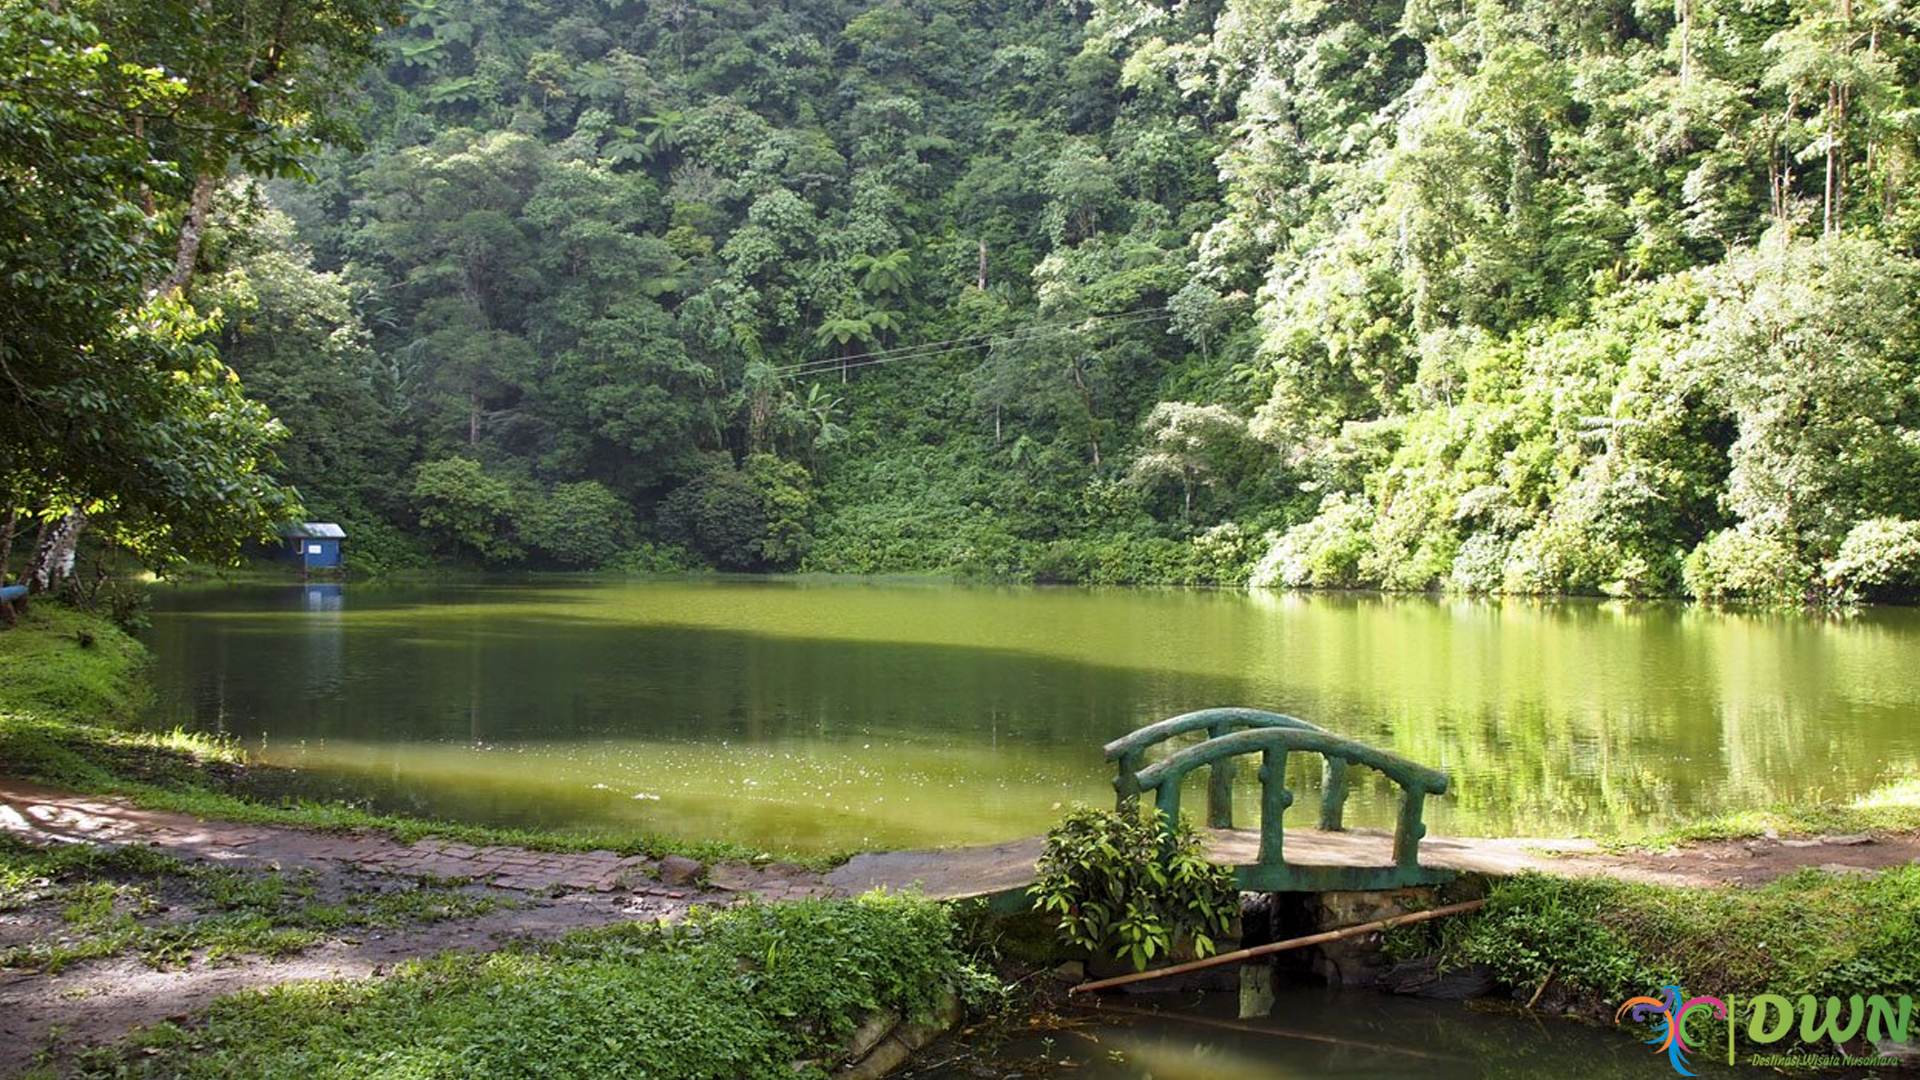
[1278,946]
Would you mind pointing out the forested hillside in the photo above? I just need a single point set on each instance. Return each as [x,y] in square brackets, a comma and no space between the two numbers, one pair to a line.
[1531,296]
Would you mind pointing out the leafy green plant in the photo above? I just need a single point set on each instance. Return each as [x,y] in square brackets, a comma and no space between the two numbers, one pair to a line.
[467,509]
[578,525]
[761,992]
[1535,926]
[1120,884]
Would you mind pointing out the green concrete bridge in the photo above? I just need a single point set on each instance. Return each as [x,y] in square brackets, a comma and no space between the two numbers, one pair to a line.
[1270,858]
[1236,733]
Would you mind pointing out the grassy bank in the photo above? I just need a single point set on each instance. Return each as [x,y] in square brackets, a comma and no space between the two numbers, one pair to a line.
[1893,806]
[61,663]
[70,681]
[757,992]
[1585,946]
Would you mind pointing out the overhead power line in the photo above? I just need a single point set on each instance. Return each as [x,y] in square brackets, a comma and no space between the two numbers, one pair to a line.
[967,343]
[961,344]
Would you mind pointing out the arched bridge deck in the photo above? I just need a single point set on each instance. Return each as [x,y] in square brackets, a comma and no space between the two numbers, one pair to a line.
[1005,870]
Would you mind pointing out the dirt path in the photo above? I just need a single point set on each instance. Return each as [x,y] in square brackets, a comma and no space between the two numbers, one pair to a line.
[550,893]
[1742,863]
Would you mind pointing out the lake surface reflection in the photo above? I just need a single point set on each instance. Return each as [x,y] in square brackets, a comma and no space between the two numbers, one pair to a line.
[817,714]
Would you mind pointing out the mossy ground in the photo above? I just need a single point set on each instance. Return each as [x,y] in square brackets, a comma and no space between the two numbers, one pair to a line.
[83,902]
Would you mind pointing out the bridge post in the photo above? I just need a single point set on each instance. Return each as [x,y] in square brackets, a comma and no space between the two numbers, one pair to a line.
[1333,793]
[1126,785]
[1274,800]
[1168,802]
[1409,829]
[1220,785]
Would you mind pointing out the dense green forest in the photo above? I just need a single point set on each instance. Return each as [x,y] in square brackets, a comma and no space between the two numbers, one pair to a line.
[1527,296]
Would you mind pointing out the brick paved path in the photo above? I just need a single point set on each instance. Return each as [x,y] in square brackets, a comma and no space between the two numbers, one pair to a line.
[44,815]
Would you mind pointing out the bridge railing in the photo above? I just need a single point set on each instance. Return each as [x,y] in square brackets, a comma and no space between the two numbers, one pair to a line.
[1274,736]
[1129,752]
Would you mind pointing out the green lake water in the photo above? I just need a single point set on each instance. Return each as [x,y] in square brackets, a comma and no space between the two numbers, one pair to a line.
[814,715]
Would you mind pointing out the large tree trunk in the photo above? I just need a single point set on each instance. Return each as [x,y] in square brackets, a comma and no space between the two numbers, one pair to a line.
[6,544]
[60,542]
[53,558]
[760,419]
[1780,170]
[1086,401]
[1836,164]
[192,229]
[6,562]
[1683,11]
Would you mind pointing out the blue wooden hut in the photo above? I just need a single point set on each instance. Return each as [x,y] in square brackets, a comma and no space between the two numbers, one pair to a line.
[315,543]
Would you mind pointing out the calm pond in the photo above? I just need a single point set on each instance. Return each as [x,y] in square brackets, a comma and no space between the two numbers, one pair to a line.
[1358,1035]
[814,715]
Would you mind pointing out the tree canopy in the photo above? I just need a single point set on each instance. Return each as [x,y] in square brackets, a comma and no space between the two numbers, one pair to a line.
[1511,297]
[116,404]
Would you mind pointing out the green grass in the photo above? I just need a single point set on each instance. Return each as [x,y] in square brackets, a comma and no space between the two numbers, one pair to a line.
[1600,942]
[340,817]
[1894,806]
[69,679]
[739,994]
[61,662]
[25,868]
[110,900]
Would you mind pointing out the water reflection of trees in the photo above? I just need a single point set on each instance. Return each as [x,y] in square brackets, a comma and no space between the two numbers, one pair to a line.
[1550,716]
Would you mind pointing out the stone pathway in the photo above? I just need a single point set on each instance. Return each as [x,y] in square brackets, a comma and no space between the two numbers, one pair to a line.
[44,815]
